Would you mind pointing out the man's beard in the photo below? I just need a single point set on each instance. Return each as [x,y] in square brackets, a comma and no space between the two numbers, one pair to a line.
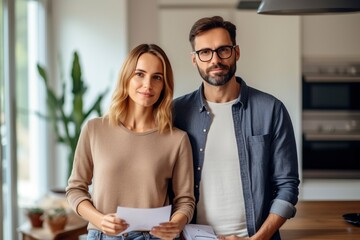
[218,79]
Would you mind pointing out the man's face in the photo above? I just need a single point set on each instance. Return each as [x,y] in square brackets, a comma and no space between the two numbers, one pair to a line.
[217,71]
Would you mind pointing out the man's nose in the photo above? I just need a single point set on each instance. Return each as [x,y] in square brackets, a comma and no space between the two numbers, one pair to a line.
[215,58]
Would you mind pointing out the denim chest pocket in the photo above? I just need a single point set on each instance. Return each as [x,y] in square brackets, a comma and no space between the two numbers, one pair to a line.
[259,150]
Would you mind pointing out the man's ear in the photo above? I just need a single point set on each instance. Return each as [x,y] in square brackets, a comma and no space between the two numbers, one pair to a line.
[193,59]
[237,50]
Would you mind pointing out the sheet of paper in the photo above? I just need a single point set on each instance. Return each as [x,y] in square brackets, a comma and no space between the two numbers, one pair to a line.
[198,232]
[143,219]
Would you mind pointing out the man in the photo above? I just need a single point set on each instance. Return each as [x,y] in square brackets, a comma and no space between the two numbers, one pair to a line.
[244,150]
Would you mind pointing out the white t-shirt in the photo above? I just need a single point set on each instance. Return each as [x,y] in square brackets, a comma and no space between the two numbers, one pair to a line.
[221,202]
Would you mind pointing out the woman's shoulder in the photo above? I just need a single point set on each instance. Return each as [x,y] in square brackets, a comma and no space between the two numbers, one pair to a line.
[170,139]
[98,122]
[178,133]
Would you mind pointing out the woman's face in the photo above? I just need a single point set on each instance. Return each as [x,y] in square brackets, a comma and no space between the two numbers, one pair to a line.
[148,81]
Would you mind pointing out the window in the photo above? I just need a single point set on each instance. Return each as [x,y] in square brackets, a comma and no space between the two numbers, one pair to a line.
[23,164]
[2,185]
[29,90]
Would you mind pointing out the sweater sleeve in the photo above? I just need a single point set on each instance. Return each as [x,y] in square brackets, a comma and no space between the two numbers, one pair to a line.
[183,181]
[82,172]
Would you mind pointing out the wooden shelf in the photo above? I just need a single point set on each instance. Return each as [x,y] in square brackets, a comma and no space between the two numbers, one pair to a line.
[75,227]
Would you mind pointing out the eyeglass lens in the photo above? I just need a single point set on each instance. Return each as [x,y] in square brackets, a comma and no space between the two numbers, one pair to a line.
[222,52]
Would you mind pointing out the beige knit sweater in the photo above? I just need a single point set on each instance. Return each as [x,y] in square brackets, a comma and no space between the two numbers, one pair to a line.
[131,169]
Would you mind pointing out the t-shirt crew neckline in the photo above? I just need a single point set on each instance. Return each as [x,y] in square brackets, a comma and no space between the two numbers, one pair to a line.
[222,103]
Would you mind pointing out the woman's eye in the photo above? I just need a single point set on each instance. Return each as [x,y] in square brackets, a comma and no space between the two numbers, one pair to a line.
[158,77]
[139,74]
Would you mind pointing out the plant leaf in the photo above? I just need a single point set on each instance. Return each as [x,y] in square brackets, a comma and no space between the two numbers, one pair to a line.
[76,75]
[68,126]
[42,73]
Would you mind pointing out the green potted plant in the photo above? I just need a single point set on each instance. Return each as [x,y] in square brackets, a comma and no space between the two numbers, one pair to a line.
[67,124]
[35,215]
[56,219]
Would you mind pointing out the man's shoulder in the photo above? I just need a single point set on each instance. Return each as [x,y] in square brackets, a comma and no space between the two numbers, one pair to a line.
[185,108]
[260,95]
[251,95]
[187,99]
[261,102]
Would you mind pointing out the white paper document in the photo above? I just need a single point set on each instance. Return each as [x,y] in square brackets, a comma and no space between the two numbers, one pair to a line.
[143,219]
[198,232]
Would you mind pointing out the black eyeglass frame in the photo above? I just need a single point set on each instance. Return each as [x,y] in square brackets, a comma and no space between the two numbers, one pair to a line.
[215,50]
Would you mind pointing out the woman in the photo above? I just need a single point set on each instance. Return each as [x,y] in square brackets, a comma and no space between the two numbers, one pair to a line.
[133,155]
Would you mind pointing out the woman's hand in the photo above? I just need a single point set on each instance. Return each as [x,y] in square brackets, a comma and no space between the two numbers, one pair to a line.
[167,230]
[111,225]
[108,223]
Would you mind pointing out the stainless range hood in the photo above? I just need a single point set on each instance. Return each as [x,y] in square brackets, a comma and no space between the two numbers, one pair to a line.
[248,4]
[300,7]
[305,7]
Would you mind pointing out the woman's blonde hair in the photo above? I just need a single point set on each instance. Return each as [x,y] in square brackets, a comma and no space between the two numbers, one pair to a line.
[162,109]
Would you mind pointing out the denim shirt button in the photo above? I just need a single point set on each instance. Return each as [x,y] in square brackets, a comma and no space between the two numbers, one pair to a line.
[199,168]
[204,130]
[201,149]
[197,186]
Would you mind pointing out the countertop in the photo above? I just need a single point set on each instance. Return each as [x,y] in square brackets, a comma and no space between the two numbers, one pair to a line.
[322,220]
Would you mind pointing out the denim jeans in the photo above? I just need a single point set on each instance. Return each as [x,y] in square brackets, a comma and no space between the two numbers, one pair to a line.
[97,235]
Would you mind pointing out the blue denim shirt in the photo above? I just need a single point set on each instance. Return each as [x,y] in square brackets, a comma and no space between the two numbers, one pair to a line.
[266,147]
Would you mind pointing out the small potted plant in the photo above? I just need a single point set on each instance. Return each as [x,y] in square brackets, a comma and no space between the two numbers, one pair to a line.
[35,215]
[56,219]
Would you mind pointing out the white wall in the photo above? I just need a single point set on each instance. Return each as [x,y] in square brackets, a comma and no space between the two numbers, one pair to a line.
[98,31]
[143,22]
[330,36]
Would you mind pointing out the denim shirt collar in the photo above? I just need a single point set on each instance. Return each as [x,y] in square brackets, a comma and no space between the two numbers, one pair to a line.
[242,98]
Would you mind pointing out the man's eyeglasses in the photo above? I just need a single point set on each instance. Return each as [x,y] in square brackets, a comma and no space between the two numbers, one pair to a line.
[206,54]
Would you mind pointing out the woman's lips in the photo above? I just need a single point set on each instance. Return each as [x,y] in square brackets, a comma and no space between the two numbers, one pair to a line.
[146,94]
